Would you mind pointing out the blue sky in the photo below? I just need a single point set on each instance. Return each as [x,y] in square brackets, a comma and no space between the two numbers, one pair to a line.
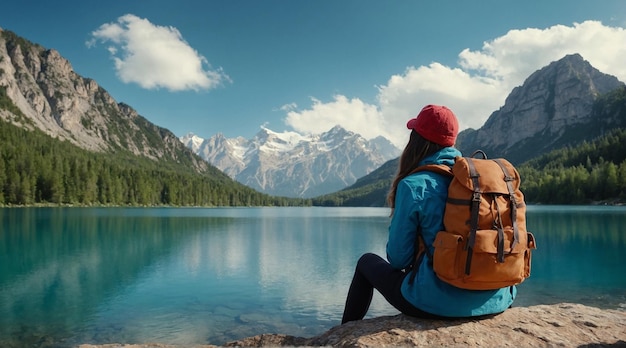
[233,66]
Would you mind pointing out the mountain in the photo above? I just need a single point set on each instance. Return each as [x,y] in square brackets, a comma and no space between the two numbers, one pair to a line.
[567,104]
[53,98]
[552,109]
[65,140]
[368,191]
[291,164]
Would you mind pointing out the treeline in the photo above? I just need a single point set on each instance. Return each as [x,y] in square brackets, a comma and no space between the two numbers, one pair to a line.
[592,172]
[38,169]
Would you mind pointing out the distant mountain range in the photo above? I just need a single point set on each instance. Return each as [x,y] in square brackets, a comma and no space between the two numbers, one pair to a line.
[292,164]
[561,105]
[65,140]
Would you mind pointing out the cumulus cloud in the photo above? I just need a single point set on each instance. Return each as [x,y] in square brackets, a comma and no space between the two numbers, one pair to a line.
[473,89]
[353,113]
[155,56]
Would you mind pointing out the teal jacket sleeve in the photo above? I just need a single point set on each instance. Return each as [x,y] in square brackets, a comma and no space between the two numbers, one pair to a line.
[420,202]
[403,227]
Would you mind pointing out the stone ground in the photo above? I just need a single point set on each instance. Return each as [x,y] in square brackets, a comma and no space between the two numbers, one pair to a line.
[560,325]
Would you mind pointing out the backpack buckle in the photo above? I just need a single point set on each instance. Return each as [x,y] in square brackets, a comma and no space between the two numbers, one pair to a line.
[476,197]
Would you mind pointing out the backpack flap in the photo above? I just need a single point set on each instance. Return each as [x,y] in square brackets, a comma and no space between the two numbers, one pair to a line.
[492,186]
[491,177]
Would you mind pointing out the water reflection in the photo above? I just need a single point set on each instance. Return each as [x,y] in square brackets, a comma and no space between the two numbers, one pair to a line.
[197,276]
[58,265]
[579,257]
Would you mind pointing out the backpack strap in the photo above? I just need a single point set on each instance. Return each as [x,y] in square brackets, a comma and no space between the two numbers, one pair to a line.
[509,184]
[500,229]
[475,205]
[435,168]
[479,152]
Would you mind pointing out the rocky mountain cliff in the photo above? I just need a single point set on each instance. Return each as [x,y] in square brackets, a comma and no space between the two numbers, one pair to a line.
[563,104]
[552,109]
[294,165]
[50,96]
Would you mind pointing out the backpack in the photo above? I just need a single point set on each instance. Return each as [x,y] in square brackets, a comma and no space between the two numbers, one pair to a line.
[485,244]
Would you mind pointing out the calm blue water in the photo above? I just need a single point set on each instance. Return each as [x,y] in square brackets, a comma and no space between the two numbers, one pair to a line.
[208,276]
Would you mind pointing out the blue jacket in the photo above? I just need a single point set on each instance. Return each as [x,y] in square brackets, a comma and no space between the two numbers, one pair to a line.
[420,201]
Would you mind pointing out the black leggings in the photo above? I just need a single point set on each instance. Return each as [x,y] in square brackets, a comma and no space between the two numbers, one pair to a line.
[373,272]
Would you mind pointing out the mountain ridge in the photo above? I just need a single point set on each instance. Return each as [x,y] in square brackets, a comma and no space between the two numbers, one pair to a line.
[54,98]
[293,164]
[598,112]
[554,100]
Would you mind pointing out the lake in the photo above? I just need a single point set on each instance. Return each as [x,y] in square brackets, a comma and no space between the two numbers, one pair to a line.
[208,276]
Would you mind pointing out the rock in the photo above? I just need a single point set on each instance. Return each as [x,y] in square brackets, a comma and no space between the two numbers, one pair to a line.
[563,325]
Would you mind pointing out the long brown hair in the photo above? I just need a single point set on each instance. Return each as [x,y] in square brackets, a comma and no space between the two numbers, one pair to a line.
[415,151]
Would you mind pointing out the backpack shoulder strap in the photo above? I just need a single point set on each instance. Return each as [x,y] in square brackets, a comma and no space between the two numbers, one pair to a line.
[436,168]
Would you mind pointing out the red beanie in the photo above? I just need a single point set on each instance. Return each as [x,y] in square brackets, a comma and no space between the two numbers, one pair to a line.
[437,124]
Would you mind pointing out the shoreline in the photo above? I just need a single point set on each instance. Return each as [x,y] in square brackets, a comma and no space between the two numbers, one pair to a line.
[611,203]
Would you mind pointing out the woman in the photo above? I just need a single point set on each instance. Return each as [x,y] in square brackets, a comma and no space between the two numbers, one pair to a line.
[417,201]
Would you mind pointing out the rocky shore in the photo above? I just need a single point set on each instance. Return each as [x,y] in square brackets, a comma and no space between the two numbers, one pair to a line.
[560,325]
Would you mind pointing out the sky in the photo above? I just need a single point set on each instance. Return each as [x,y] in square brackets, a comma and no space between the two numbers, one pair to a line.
[234,66]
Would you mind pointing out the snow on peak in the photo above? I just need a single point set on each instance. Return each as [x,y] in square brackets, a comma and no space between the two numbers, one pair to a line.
[297,165]
[192,141]
[270,141]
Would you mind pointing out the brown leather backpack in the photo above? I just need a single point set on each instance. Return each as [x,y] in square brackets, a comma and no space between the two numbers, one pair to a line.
[485,244]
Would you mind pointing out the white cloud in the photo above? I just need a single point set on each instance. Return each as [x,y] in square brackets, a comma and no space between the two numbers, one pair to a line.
[404,95]
[474,89]
[155,56]
[289,107]
[349,113]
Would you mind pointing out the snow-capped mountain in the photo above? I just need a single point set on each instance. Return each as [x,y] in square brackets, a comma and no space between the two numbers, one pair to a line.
[294,165]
